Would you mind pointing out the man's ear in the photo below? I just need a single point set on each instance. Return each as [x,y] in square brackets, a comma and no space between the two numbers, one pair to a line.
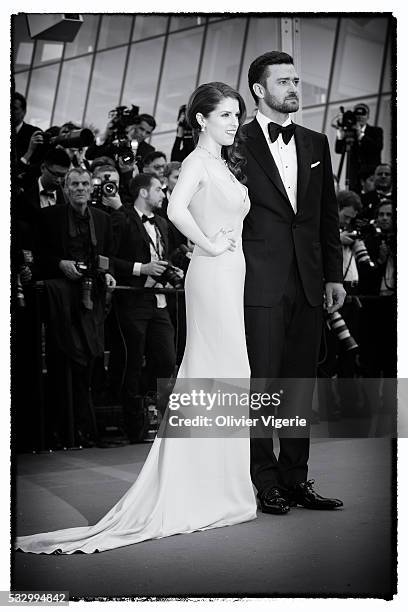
[144,192]
[259,90]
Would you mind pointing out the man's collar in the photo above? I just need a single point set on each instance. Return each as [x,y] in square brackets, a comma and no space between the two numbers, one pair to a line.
[140,213]
[42,188]
[19,126]
[263,121]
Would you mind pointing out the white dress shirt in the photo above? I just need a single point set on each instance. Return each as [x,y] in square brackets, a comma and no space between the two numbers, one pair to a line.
[48,199]
[154,256]
[285,158]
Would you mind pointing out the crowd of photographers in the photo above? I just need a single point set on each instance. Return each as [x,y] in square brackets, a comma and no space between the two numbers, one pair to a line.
[98,273]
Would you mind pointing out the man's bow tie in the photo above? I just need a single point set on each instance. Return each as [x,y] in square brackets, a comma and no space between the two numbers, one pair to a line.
[49,194]
[274,129]
[151,220]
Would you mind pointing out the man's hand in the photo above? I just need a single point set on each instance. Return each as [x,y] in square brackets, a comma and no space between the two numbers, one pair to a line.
[37,139]
[153,268]
[335,295]
[113,202]
[110,282]
[346,238]
[69,269]
[25,274]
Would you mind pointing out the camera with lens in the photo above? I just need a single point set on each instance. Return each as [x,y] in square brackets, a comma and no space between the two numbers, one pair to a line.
[337,325]
[91,272]
[120,147]
[102,188]
[359,233]
[75,139]
[171,275]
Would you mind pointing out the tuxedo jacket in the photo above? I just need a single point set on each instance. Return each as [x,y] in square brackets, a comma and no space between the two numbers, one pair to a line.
[22,139]
[131,244]
[52,244]
[273,235]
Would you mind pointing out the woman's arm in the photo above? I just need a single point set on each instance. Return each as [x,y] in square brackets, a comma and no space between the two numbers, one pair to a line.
[191,175]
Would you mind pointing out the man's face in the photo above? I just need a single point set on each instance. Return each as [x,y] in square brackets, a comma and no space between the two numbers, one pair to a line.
[382,178]
[156,166]
[281,91]
[52,175]
[79,189]
[361,118]
[384,217]
[18,112]
[172,179]
[155,194]
[346,216]
[141,131]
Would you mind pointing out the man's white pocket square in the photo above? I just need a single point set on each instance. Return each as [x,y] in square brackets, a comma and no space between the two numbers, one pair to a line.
[314,165]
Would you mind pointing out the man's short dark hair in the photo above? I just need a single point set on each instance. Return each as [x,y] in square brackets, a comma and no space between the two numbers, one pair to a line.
[57,157]
[141,181]
[104,160]
[20,98]
[150,157]
[148,119]
[348,198]
[258,70]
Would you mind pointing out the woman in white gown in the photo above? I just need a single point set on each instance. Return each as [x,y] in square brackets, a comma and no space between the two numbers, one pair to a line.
[191,484]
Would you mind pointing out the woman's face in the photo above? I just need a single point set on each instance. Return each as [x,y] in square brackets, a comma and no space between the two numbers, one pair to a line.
[222,123]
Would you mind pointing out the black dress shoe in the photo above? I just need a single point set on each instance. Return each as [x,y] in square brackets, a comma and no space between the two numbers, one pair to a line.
[304,495]
[272,502]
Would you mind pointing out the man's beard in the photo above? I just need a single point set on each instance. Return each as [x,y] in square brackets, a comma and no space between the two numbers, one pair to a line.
[284,107]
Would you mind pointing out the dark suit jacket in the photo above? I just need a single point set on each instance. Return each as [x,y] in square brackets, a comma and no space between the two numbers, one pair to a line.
[132,244]
[273,235]
[52,243]
[22,139]
[365,154]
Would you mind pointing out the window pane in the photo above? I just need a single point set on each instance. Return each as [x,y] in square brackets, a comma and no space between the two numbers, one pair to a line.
[20,82]
[315,35]
[179,76]
[387,84]
[181,22]
[222,53]
[312,118]
[149,25]
[41,96]
[72,91]
[105,87]
[84,41]
[359,57]
[115,30]
[163,142]
[22,44]
[384,121]
[47,51]
[143,73]
[263,35]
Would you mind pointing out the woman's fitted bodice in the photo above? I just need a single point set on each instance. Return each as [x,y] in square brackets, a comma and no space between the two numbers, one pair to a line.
[221,201]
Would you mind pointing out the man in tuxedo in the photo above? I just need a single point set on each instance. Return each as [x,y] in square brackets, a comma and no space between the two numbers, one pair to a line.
[22,130]
[293,257]
[141,130]
[141,247]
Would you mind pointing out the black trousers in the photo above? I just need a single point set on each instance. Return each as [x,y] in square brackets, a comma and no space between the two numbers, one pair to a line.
[283,342]
[148,332]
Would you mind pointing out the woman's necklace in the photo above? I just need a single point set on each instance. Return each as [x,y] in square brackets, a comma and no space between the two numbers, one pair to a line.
[220,159]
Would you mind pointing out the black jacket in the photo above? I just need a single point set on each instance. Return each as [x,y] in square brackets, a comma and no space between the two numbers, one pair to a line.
[273,234]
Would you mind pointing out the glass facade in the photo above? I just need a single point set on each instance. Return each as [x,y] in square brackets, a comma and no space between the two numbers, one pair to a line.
[155,61]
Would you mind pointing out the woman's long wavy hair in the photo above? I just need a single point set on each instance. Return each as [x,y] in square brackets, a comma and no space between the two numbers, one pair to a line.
[204,100]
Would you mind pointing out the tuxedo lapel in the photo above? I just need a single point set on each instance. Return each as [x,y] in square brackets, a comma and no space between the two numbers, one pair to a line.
[258,146]
[304,159]
[142,231]
[162,229]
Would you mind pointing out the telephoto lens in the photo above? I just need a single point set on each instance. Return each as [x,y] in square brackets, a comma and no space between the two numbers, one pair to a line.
[338,326]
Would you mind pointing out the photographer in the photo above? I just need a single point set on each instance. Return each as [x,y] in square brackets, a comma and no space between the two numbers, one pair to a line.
[365,142]
[75,242]
[184,143]
[155,163]
[23,143]
[141,129]
[382,192]
[105,185]
[141,248]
